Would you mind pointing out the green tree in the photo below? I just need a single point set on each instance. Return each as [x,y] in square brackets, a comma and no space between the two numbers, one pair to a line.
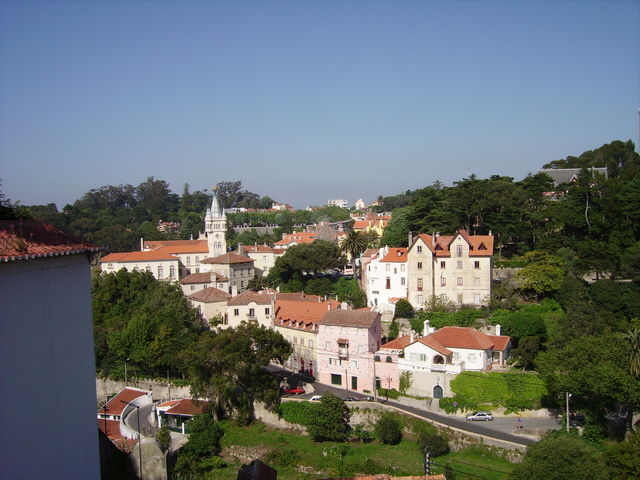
[430,437]
[561,457]
[205,437]
[329,420]
[353,244]
[633,338]
[623,458]
[405,381]
[388,429]
[542,275]
[403,309]
[314,257]
[226,368]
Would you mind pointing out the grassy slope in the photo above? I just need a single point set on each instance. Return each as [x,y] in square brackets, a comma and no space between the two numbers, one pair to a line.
[287,451]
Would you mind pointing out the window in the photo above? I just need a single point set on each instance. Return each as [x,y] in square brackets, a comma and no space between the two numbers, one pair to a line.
[443,281]
[419,265]
[110,265]
[375,292]
[418,357]
[236,312]
[476,299]
[289,338]
[197,259]
[252,312]
[302,341]
[419,249]
[476,264]
[193,287]
[353,364]
[395,270]
[459,280]
[459,250]
[476,282]
[172,271]
[336,379]
[327,345]
[443,264]
[295,340]
[387,267]
[160,271]
[403,281]
[388,283]
[419,284]
[310,343]
[343,329]
[420,299]
[459,264]
[242,284]
[188,260]
[472,357]
[402,267]
[360,348]
[267,311]
[264,258]
[460,299]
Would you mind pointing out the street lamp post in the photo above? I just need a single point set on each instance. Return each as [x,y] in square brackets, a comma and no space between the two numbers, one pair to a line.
[568,395]
[125,372]
[137,407]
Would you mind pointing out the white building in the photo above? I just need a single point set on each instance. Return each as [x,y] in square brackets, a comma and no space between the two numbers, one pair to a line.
[338,202]
[386,278]
[48,389]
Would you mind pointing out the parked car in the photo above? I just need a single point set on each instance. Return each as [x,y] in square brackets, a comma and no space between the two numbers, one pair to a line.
[479,416]
[294,391]
[366,398]
[576,420]
[350,399]
[316,398]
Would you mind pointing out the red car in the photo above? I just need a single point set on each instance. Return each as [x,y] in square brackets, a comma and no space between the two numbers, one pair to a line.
[294,391]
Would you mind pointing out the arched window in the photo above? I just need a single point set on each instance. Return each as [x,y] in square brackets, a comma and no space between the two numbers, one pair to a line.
[160,271]
[172,271]
[438,360]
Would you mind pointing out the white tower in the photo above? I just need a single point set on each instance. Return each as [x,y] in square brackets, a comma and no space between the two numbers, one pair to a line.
[215,226]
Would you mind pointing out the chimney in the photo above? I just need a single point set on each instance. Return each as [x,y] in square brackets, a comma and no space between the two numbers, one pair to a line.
[433,239]
[426,330]
[240,248]
[410,238]
[411,335]
[498,330]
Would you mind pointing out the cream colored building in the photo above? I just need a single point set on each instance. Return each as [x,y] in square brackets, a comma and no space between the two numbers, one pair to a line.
[162,265]
[455,268]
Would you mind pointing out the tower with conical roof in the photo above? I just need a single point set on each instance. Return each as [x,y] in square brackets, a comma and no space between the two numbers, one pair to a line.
[215,227]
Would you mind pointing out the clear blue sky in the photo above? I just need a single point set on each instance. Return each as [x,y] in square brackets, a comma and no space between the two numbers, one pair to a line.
[307,100]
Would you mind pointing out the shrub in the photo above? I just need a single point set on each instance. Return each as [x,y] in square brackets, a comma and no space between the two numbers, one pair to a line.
[429,437]
[295,412]
[388,429]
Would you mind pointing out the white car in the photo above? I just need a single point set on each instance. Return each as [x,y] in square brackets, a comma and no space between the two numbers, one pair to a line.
[316,398]
[479,416]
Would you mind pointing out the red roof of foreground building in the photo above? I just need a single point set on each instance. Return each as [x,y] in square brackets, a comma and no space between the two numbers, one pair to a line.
[32,239]
[116,405]
[185,407]
[302,314]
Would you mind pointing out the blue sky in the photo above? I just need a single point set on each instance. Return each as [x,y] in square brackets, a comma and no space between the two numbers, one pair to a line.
[307,100]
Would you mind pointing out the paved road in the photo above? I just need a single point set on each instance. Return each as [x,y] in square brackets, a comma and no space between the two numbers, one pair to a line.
[131,420]
[501,428]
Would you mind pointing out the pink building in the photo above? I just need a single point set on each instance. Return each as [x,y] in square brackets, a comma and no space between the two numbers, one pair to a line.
[347,341]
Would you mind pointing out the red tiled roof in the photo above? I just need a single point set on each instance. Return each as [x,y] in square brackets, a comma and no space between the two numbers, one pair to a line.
[203,278]
[349,318]
[227,259]
[31,239]
[462,337]
[305,312]
[156,244]
[480,245]
[209,295]
[397,344]
[299,297]
[396,255]
[249,296]
[116,405]
[258,248]
[187,407]
[137,257]
[299,237]
[434,344]
[500,342]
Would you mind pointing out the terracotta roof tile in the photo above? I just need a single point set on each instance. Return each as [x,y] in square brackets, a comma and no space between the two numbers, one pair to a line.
[227,259]
[306,312]
[433,343]
[396,255]
[249,296]
[115,406]
[203,278]
[137,257]
[349,318]
[299,297]
[500,342]
[209,295]
[187,407]
[462,337]
[31,239]
[398,343]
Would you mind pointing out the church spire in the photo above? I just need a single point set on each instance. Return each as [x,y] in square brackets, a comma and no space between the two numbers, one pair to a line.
[216,227]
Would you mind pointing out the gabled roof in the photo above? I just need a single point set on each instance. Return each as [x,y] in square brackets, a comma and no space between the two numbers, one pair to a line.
[31,239]
[172,244]
[187,407]
[462,337]
[440,245]
[137,257]
[258,249]
[209,295]
[116,405]
[349,318]
[206,277]
[397,255]
[434,344]
[228,259]
[297,238]
[305,312]
[249,296]
[500,342]
[299,297]
[398,343]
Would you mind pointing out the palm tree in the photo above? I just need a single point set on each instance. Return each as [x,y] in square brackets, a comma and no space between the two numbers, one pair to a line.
[633,337]
[353,244]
